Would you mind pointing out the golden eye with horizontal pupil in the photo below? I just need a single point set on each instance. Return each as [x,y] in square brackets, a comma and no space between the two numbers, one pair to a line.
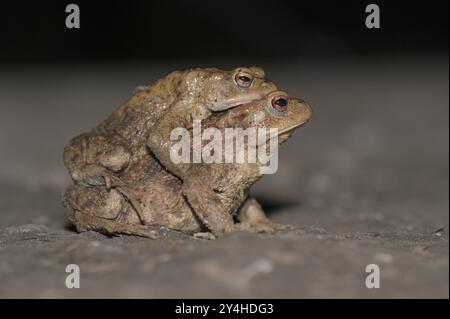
[243,80]
[279,103]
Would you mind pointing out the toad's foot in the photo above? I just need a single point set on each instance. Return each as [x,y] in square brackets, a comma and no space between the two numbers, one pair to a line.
[253,219]
[262,227]
[88,222]
[205,235]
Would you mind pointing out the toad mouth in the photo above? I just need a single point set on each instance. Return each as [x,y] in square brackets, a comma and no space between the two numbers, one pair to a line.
[238,103]
[286,132]
[233,104]
[291,128]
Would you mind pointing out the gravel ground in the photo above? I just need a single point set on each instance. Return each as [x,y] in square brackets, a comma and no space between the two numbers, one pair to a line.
[366,181]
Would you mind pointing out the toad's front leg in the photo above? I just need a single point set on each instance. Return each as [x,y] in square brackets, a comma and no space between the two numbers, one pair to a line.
[160,142]
[214,208]
[210,209]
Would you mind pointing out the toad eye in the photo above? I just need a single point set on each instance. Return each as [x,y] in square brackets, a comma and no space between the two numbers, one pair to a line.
[243,80]
[279,104]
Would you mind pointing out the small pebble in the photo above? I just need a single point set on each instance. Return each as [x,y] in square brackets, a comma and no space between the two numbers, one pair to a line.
[384,258]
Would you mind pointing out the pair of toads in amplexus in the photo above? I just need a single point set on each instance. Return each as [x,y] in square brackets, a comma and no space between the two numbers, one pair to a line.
[125,179]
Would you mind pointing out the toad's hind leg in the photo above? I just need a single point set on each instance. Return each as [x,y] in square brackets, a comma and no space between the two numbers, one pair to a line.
[112,181]
[95,208]
[96,175]
[252,218]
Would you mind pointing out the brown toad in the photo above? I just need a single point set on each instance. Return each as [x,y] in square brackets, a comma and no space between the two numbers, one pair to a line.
[219,91]
[97,158]
[212,196]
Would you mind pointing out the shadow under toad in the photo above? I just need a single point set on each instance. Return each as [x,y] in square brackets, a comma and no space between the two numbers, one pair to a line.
[272,205]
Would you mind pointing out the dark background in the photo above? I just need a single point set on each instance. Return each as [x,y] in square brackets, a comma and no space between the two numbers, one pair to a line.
[199,29]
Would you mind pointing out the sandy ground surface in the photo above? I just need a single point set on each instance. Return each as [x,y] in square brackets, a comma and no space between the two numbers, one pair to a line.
[365,182]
